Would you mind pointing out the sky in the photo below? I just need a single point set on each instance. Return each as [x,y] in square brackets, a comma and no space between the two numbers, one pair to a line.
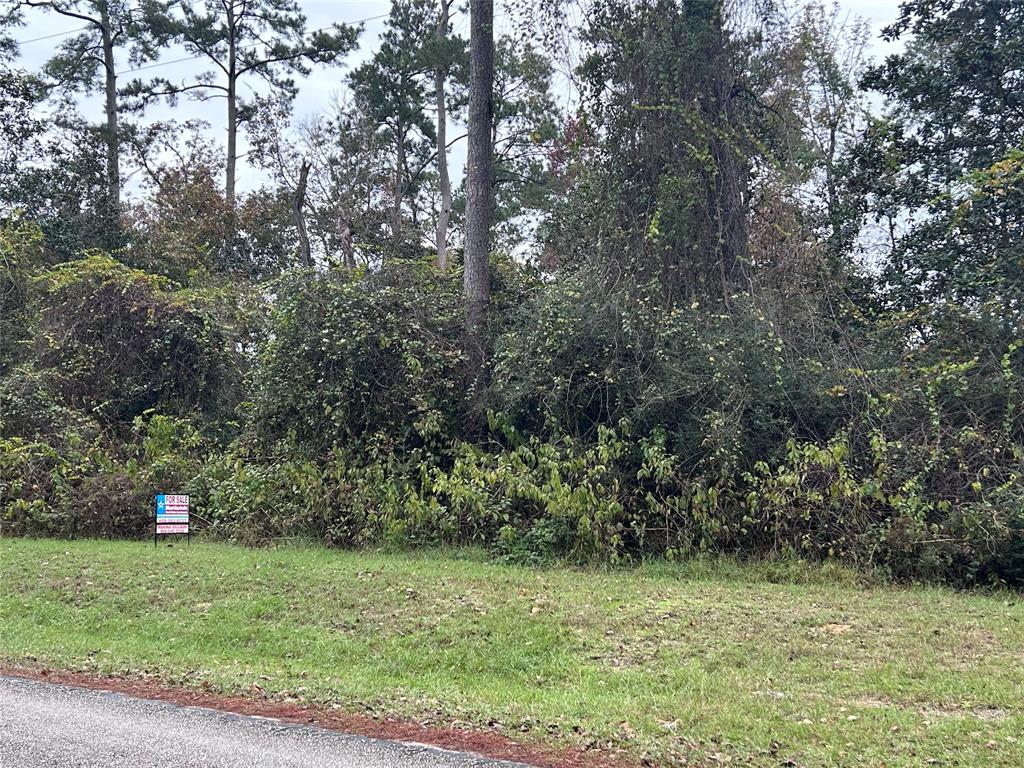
[43,32]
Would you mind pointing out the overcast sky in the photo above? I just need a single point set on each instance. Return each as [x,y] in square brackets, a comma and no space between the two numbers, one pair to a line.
[316,91]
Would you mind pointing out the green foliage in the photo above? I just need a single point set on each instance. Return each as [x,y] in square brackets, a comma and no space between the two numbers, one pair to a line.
[116,342]
[579,357]
[525,128]
[672,124]
[82,483]
[30,409]
[360,357]
[699,364]
[924,478]
[392,90]
[60,185]
[186,230]
[951,116]
[20,130]
[266,39]
[21,256]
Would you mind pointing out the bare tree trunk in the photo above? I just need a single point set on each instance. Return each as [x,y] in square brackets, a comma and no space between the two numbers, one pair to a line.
[232,159]
[479,178]
[396,209]
[111,129]
[443,215]
[298,203]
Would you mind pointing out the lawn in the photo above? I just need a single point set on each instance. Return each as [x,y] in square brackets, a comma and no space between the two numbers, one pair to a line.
[698,663]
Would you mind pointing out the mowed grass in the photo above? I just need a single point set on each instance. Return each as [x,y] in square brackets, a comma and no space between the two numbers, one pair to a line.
[691,664]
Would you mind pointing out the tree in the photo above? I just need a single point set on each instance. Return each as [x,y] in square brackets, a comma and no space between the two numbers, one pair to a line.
[21,130]
[180,224]
[87,61]
[668,120]
[479,194]
[441,67]
[347,197]
[298,215]
[392,90]
[525,126]
[60,184]
[953,110]
[803,116]
[830,52]
[242,39]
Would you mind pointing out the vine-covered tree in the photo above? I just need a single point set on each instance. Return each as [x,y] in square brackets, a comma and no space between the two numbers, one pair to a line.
[666,107]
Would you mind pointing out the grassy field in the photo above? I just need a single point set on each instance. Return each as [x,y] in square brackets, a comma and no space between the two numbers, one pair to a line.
[699,663]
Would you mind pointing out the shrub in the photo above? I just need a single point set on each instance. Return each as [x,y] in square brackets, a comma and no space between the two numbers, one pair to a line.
[73,485]
[116,342]
[355,356]
[579,359]
[21,256]
[31,410]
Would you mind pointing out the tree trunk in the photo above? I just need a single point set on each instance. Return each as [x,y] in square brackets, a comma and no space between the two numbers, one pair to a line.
[730,177]
[298,203]
[445,213]
[232,159]
[479,177]
[347,246]
[730,210]
[396,208]
[111,129]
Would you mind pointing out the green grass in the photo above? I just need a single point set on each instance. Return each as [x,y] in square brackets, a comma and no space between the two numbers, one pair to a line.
[672,663]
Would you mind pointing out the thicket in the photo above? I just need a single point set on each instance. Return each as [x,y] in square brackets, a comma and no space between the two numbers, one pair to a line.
[620,428]
[693,361]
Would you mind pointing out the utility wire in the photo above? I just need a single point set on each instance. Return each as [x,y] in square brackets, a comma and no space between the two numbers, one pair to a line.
[173,61]
[55,34]
[253,45]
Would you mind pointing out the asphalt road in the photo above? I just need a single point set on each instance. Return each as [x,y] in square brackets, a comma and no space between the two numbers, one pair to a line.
[55,726]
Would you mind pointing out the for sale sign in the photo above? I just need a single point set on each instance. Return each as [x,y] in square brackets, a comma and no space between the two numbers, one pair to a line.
[171,514]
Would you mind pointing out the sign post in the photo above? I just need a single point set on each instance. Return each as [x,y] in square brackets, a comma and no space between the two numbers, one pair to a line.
[171,516]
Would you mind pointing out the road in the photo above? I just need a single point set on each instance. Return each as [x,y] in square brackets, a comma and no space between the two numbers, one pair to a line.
[54,726]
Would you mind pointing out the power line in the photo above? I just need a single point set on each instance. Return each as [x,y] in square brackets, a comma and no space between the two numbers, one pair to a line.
[160,64]
[55,34]
[254,45]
